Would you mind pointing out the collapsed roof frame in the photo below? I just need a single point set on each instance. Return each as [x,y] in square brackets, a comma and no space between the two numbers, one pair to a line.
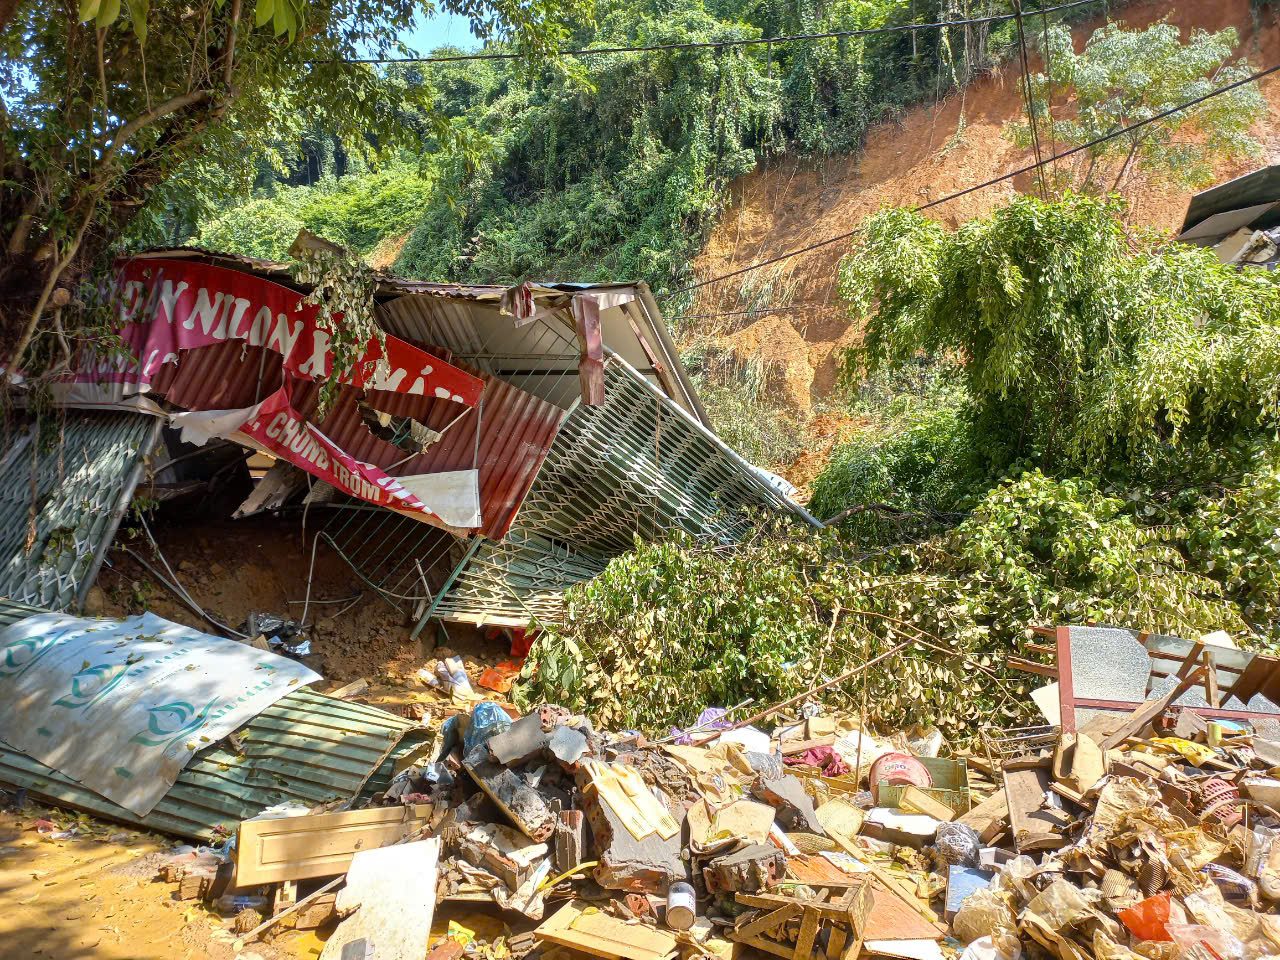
[588,432]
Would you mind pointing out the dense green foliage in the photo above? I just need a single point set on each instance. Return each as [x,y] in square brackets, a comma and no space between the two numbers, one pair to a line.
[108,110]
[615,169]
[1123,76]
[678,625]
[356,211]
[1079,343]
[1070,424]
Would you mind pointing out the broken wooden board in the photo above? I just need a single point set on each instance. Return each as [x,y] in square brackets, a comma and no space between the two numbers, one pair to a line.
[891,918]
[1149,711]
[319,845]
[915,800]
[814,870]
[1032,827]
[842,820]
[988,818]
[392,892]
[580,926]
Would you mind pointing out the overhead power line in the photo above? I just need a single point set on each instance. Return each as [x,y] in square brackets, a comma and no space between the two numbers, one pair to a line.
[704,44]
[1252,78]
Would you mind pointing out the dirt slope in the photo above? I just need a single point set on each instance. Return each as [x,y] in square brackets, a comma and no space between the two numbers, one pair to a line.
[787,204]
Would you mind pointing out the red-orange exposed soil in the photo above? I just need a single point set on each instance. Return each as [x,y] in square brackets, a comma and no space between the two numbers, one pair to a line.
[787,203]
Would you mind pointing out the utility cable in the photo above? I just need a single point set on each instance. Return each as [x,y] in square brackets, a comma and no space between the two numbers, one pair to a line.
[704,44]
[1154,118]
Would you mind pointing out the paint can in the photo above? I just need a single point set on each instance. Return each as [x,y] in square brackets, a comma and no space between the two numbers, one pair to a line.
[898,770]
[681,906]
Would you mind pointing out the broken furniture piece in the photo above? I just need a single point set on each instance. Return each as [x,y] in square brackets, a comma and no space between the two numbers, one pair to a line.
[826,927]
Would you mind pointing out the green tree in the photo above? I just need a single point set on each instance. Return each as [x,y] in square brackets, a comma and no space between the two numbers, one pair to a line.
[1123,76]
[102,105]
[1079,342]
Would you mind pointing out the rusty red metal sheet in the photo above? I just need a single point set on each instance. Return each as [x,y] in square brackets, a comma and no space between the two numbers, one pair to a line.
[516,428]
[515,432]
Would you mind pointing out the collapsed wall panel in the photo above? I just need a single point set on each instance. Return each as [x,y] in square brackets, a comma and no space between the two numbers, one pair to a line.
[61,501]
[633,466]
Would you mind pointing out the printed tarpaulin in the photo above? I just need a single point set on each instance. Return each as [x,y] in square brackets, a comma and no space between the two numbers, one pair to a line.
[276,427]
[122,705]
[167,306]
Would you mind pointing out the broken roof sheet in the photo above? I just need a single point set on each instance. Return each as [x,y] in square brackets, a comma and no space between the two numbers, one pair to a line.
[305,748]
[60,503]
[1253,189]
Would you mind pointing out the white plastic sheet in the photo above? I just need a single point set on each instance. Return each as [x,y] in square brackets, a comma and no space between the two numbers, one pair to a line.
[123,705]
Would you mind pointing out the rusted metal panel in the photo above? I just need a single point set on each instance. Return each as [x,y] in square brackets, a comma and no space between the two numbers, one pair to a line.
[515,428]
[225,376]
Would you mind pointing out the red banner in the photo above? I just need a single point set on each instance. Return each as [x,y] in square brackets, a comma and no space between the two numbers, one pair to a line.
[289,435]
[168,305]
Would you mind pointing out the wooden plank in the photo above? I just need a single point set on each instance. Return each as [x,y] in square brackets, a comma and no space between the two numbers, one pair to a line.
[768,946]
[808,933]
[1190,661]
[891,919]
[319,845]
[1032,666]
[988,817]
[1211,681]
[392,892]
[767,921]
[580,926]
[836,941]
[803,746]
[1148,711]
[915,800]
[1032,829]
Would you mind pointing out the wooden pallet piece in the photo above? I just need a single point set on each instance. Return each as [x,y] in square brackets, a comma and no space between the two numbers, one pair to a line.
[844,918]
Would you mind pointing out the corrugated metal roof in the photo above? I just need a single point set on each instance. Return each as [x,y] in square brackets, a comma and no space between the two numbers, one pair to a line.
[306,748]
[505,438]
[60,502]
[1259,186]
[515,427]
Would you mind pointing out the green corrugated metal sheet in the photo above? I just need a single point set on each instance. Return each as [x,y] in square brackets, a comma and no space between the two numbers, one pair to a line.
[634,466]
[306,748]
[83,481]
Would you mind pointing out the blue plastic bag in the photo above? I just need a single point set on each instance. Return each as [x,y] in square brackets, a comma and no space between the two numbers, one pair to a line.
[487,720]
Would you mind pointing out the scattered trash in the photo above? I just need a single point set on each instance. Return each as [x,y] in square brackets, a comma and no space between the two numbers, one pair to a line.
[1144,833]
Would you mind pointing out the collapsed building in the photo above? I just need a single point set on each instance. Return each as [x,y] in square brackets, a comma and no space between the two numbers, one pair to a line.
[496,446]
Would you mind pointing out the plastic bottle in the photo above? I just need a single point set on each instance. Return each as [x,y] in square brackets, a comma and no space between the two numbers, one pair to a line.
[229,904]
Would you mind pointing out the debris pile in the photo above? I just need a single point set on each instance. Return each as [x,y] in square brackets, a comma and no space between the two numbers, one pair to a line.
[799,831]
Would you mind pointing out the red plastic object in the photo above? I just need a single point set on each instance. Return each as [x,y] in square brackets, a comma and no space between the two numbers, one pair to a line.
[1222,800]
[1146,920]
[898,770]
[499,677]
[521,642]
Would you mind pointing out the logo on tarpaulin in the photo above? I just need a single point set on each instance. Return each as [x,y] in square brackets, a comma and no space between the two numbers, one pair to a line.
[172,721]
[92,684]
[21,654]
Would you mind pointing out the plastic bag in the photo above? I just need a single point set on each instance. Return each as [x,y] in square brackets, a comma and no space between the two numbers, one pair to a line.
[1199,942]
[984,913]
[1147,919]
[1004,947]
[487,720]
[958,844]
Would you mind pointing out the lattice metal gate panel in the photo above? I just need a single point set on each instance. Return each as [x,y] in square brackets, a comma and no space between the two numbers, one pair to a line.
[60,503]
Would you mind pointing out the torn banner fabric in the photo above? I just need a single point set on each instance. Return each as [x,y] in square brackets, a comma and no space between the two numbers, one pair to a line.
[122,705]
[276,427]
[167,306]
